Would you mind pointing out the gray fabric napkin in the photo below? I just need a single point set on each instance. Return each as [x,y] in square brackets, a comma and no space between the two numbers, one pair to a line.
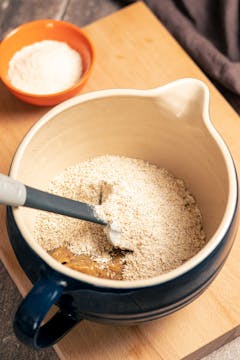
[209,30]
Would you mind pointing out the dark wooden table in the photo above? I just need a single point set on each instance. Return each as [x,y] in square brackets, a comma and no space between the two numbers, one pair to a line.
[12,14]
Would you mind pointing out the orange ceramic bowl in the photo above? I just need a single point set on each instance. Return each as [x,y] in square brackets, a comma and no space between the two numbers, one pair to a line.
[39,30]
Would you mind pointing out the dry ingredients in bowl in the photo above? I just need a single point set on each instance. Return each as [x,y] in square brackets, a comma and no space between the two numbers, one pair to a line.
[45,67]
[156,212]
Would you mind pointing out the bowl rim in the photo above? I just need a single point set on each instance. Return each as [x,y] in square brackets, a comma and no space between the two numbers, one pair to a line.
[218,236]
[85,75]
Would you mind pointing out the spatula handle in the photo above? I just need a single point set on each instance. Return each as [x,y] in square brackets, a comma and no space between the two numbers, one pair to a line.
[41,200]
[12,192]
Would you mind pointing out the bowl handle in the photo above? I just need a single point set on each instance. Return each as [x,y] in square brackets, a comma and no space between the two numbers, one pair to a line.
[34,308]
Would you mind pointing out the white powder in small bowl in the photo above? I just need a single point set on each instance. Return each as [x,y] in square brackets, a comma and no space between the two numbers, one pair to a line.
[45,67]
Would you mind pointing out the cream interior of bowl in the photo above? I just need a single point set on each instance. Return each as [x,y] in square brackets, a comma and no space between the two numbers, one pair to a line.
[146,125]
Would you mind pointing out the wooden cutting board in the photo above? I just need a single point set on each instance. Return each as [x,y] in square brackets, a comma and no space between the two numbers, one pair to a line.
[133,50]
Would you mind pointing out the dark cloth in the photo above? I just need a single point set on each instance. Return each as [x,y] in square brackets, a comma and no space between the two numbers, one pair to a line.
[209,30]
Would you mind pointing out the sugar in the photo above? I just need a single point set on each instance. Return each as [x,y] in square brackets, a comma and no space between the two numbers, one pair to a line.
[45,67]
[158,216]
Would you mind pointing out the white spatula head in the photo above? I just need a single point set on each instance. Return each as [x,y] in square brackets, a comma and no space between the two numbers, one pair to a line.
[114,235]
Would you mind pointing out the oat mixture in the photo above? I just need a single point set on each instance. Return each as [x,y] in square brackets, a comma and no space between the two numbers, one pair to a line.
[156,212]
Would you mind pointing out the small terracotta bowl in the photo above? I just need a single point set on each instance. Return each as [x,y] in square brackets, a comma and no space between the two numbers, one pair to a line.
[39,30]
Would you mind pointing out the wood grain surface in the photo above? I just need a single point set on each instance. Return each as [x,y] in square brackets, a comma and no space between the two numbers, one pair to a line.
[134,50]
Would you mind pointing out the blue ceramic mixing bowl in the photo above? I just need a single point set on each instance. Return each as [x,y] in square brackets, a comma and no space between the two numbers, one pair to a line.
[168,126]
